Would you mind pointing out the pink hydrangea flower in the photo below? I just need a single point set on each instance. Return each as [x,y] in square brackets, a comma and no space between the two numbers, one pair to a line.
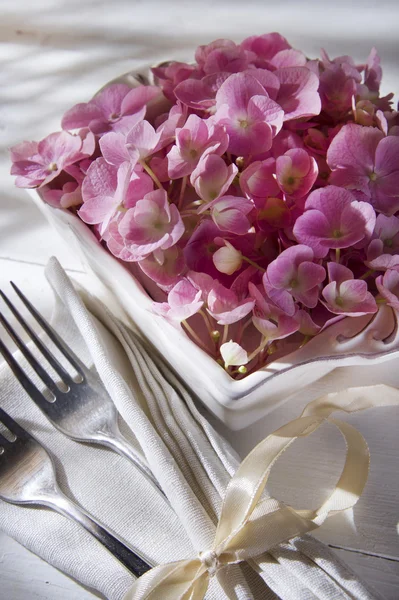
[212,177]
[224,306]
[107,189]
[143,138]
[68,195]
[266,46]
[165,267]
[168,75]
[296,173]
[269,169]
[200,94]
[183,302]
[385,238]
[362,159]
[388,286]
[196,136]
[258,182]
[298,93]
[294,276]
[229,213]
[151,224]
[36,164]
[346,295]
[269,320]
[116,108]
[334,219]
[373,71]
[251,118]
[222,56]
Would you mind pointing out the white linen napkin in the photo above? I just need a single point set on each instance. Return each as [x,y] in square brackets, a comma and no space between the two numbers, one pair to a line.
[190,460]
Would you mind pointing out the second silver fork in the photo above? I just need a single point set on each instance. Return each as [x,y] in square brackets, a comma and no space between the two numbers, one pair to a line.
[83,410]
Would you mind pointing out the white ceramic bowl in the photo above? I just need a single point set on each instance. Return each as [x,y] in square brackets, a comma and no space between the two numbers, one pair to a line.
[356,341]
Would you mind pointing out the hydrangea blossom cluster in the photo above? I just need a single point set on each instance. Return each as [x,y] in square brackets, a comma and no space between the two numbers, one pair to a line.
[254,192]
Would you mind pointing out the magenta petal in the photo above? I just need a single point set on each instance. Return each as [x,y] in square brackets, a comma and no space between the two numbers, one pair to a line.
[268,80]
[231,220]
[338,273]
[288,58]
[282,299]
[257,180]
[138,97]
[101,180]
[351,179]
[354,146]
[298,94]
[267,328]
[387,158]
[330,293]
[80,116]
[143,138]
[255,139]
[312,229]
[238,90]
[310,275]
[265,109]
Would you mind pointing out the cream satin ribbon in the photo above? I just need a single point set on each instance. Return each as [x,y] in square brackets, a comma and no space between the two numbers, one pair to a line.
[249,526]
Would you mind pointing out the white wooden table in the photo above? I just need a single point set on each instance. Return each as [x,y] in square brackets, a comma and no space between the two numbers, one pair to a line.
[55,53]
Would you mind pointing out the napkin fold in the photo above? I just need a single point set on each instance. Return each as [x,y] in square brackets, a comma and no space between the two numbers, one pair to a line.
[191,461]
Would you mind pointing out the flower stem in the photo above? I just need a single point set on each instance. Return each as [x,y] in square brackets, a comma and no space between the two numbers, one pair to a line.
[380,300]
[367,274]
[182,190]
[195,336]
[225,334]
[337,254]
[305,341]
[251,262]
[259,349]
[151,173]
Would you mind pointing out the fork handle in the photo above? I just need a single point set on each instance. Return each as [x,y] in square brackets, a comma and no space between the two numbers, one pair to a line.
[129,558]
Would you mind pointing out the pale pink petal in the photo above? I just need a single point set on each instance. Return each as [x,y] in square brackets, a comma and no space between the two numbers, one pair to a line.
[233,354]
[143,138]
[288,58]
[114,149]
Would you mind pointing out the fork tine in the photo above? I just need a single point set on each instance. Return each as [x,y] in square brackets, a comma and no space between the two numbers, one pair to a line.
[24,380]
[52,334]
[36,366]
[58,368]
[4,442]
[13,426]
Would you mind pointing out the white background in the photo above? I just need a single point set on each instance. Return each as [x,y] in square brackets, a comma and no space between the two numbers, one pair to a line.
[55,53]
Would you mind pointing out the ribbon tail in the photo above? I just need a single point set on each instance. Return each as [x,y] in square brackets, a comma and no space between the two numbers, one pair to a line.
[182,580]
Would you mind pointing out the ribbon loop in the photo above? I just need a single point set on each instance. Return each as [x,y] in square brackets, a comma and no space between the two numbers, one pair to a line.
[250,525]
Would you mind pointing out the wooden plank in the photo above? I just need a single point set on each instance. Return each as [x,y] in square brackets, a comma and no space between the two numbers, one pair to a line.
[381,574]
[25,575]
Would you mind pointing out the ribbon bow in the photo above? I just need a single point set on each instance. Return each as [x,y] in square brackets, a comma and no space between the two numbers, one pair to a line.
[248,525]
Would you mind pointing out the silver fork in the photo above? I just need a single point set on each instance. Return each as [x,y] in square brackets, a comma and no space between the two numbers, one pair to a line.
[83,410]
[27,476]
